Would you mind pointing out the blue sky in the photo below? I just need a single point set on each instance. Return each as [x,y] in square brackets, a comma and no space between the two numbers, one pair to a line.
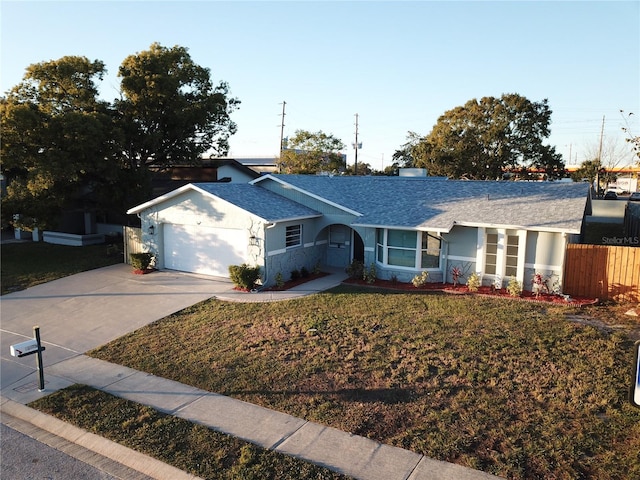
[399,65]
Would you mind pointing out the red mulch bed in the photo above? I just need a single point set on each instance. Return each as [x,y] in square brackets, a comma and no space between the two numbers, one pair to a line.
[137,271]
[483,291]
[290,283]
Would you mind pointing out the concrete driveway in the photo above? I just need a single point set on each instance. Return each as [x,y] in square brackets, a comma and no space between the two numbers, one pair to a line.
[83,311]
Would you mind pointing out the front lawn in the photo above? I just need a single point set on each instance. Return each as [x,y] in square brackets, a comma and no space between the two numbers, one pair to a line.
[508,387]
[27,264]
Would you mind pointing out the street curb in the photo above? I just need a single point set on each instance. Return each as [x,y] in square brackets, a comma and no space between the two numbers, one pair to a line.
[114,451]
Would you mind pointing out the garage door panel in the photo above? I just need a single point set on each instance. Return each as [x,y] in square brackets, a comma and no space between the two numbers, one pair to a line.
[208,251]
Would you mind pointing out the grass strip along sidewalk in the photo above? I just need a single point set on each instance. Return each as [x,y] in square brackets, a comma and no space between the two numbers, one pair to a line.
[190,447]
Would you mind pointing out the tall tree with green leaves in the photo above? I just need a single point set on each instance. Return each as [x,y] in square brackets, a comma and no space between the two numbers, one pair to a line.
[170,110]
[589,170]
[312,152]
[58,140]
[484,138]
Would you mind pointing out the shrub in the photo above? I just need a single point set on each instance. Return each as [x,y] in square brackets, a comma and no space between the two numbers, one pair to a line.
[141,261]
[456,274]
[355,270]
[370,275]
[279,280]
[514,287]
[420,280]
[473,282]
[244,276]
[304,273]
[295,274]
[538,284]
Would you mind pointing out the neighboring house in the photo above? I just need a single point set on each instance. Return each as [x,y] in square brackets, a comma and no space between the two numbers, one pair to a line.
[166,179]
[402,225]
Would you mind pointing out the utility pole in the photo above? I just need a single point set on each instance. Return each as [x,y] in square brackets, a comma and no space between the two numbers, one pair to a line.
[356,145]
[284,104]
[599,161]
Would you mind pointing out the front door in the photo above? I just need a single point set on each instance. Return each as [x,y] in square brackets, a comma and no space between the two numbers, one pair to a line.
[358,246]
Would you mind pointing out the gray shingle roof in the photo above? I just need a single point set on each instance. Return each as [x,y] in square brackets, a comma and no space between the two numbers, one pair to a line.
[258,201]
[437,204]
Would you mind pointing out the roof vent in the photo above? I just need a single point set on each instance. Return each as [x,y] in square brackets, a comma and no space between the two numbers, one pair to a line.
[412,172]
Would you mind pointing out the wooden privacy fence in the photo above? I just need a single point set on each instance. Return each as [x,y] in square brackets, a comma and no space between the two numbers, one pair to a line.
[602,271]
[132,242]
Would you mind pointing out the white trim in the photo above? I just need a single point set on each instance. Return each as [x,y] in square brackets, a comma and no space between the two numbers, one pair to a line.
[322,242]
[539,266]
[307,245]
[369,249]
[276,252]
[501,254]
[480,249]
[460,258]
[531,228]
[439,230]
[522,247]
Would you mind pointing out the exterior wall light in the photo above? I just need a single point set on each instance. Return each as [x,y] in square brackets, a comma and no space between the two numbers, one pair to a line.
[152,229]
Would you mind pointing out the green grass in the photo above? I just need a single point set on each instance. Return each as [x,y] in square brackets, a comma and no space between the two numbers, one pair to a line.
[508,387]
[187,446]
[30,263]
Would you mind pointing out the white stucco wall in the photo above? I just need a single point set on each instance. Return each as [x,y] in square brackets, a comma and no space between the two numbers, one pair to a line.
[195,209]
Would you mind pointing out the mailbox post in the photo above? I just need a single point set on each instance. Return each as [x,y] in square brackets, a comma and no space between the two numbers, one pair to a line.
[634,391]
[36,334]
[30,347]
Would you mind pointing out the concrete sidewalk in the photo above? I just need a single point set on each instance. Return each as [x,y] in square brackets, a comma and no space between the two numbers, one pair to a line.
[340,451]
[87,310]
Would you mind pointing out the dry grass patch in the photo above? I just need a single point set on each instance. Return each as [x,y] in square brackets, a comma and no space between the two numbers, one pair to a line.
[187,446]
[507,387]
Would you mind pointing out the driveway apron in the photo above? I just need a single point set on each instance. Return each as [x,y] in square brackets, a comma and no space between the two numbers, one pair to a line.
[81,312]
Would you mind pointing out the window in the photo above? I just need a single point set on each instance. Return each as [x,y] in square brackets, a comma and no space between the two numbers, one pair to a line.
[501,254]
[293,236]
[401,248]
[407,248]
[338,235]
[491,258]
[430,251]
[511,259]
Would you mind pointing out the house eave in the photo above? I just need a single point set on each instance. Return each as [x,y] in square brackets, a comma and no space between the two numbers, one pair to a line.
[532,228]
[417,228]
[293,219]
[163,198]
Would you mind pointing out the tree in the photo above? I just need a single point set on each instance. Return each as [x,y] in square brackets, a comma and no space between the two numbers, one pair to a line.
[609,154]
[170,111]
[405,156]
[57,140]
[482,139]
[632,139]
[310,153]
[363,169]
[588,170]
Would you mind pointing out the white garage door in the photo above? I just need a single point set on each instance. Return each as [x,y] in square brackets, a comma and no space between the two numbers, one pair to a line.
[204,250]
